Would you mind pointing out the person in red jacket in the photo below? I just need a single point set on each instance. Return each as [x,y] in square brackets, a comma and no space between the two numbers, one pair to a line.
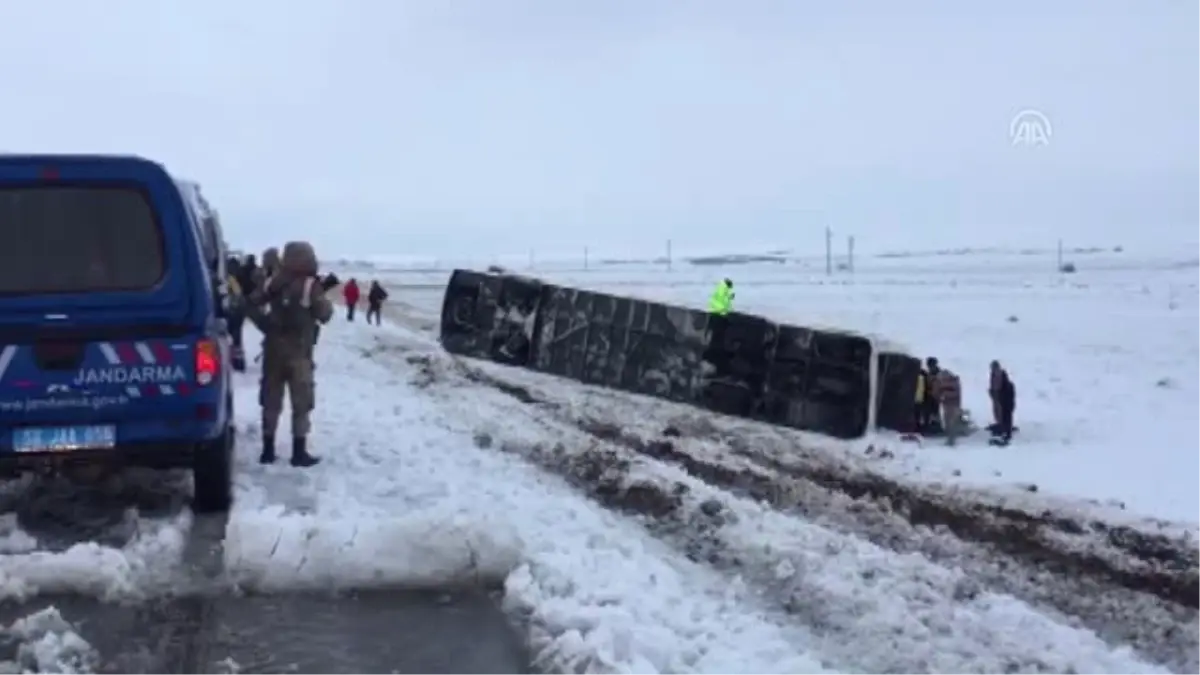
[350,294]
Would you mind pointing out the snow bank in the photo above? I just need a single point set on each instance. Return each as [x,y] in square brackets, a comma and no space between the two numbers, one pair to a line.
[47,643]
[271,551]
[92,569]
[606,600]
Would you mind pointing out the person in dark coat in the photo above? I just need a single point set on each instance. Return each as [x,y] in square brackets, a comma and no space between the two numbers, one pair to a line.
[375,297]
[247,274]
[1004,403]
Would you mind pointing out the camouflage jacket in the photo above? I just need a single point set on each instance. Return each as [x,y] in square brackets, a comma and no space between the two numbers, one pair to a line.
[288,310]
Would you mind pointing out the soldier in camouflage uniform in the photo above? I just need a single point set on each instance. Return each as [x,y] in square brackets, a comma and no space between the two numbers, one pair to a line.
[269,266]
[255,292]
[947,389]
[288,308]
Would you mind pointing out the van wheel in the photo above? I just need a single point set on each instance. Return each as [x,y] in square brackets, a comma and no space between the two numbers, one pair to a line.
[212,475]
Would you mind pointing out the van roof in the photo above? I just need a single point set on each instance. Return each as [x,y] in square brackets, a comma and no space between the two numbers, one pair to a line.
[75,157]
[92,166]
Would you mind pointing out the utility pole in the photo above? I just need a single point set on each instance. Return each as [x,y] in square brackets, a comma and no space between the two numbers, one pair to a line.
[668,255]
[1059,266]
[850,254]
[585,257]
[828,251]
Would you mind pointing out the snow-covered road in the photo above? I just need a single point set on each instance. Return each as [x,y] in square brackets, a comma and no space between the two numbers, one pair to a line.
[404,497]
[403,500]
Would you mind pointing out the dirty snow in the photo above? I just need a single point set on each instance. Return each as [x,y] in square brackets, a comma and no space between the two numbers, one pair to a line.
[90,568]
[46,643]
[850,592]
[401,499]
[404,496]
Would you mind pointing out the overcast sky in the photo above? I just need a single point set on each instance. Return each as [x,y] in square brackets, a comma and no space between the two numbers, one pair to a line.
[490,126]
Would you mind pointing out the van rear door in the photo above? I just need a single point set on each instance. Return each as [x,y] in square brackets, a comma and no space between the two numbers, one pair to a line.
[97,290]
[90,241]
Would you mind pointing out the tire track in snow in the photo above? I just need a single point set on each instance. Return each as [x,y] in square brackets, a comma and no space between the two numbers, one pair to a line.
[848,592]
[592,591]
[1114,554]
[1162,631]
[1131,586]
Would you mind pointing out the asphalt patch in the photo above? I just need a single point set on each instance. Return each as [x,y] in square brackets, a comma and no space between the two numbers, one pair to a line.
[380,631]
[62,510]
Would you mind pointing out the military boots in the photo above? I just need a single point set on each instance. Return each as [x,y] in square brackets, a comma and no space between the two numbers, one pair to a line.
[268,450]
[300,456]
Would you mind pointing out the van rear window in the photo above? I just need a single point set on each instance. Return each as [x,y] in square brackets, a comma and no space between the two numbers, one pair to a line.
[78,238]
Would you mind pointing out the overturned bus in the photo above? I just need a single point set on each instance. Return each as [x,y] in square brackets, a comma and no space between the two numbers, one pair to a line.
[827,381]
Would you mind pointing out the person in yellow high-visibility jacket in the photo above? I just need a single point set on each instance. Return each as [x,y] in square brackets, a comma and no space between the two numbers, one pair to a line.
[721,300]
[720,303]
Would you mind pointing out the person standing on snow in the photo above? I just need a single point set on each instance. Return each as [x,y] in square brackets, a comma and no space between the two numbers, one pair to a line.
[293,308]
[375,297]
[256,291]
[931,407]
[235,312]
[947,390]
[720,302]
[270,265]
[920,408]
[247,273]
[1004,402]
[350,295]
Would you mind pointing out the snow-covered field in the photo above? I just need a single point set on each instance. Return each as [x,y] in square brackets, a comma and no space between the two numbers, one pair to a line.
[1105,360]
[439,473]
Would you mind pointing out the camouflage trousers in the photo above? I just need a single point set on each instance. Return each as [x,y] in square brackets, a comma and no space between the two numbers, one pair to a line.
[295,376]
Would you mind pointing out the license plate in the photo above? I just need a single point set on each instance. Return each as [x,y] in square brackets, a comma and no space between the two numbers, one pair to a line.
[42,439]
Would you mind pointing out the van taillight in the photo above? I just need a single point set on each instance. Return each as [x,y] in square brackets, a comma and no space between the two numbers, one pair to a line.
[208,361]
[48,173]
